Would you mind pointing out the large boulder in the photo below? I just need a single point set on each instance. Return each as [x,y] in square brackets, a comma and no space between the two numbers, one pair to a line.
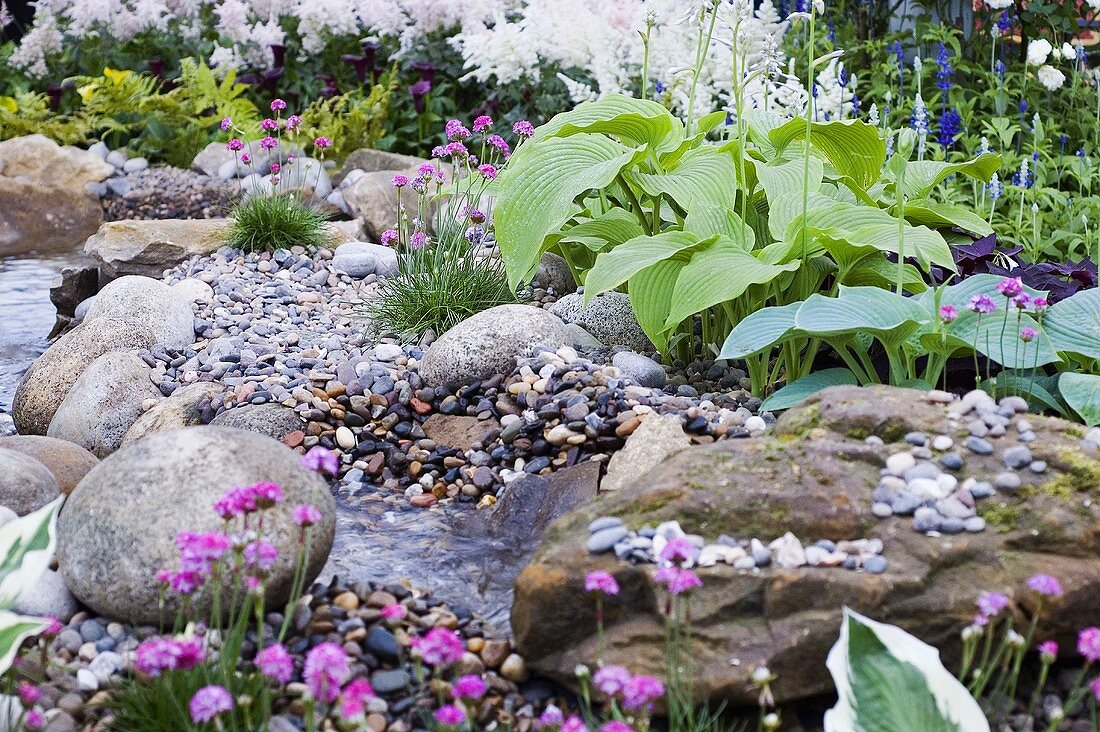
[104,403]
[360,258]
[609,317]
[45,214]
[373,199]
[489,343]
[374,161]
[148,248]
[25,484]
[657,438]
[166,312]
[47,382]
[38,159]
[814,476]
[182,409]
[68,462]
[211,158]
[118,528]
[274,420]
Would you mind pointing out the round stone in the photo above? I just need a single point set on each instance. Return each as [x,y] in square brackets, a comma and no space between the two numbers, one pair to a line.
[603,540]
[165,312]
[974,524]
[875,564]
[882,510]
[1017,456]
[641,369]
[67,462]
[25,484]
[951,461]
[899,462]
[1007,482]
[942,443]
[978,446]
[926,519]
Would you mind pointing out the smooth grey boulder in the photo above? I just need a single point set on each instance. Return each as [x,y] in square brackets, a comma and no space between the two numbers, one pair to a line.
[609,317]
[360,258]
[104,403]
[118,528]
[274,420]
[641,369]
[67,462]
[489,343]
[26,485]
[49,597]
[49,379]
[182,409]
[165,311]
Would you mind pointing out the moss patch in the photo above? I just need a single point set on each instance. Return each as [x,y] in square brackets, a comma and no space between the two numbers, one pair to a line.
[1080,474]
[1003,516]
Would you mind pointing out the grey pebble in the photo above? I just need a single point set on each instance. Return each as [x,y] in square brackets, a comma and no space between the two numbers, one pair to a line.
[926,519]
[603,540]
[1017,456]
[951,461]
[1038,466]
[875,564]
[978,446]
[1007,482]
[604,522]
[882,510]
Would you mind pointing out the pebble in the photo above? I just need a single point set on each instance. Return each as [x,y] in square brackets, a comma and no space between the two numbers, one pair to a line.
[1017,456]
[603,540]
[978,446]
[1007,482]
[875,564]
[942,443]
[900,462]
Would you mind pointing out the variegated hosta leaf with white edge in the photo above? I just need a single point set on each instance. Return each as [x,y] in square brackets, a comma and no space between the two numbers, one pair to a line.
[852,147]
[634,122]
[26,549]
[1082,394]
[889,681]
[539,188]
[616,266]
[922,176]
[14,629]
[1074,324]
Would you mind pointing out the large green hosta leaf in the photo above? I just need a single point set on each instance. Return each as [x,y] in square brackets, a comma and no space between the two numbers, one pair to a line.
[610,229]
[761,330]
[781,178]
[1073,324]
[651,295]
[852,147]
[938,215]
[922,176]
[539,189]
[704,175]
[861,310]
[614,267]
[1082,394]
[807,386]
[707,219]
[889,681]
[634,122]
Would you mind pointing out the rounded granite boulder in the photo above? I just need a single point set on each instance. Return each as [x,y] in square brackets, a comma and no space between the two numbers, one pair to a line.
[26,485]
[489,343]
[68,462]
[165,311]
[274,420]
[118,528]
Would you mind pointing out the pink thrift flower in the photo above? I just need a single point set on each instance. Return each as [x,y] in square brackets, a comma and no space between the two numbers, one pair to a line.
[1094,687]
[439,151]
[305,515]
[1088,643]
[354,698]
[440,647]
[469,687]
[426,170]
[29,694]
[266,494]
[574,724]
[198,552]
[400,181]
[275,168]
[189,652]
[991,603]
[1046,585]
[677,580]
[949,314]
[322,460]
[419,240]
[277,105]
[1021,301]
[641,691]
[457,150]
[235,145]
[261,555]
[186,582]
[440,177]
[1028,334]
[552,717]
[982,304]
[602,582]
[1048,650]
[616,726]
[326,669]
[678,550]
[394,612]
[488,172]
[390,237]
[209,702]
[483,123]
[1010,286]
[293,122]
[1040,305]
[456,131]
[497,142]
[611,680]
[275,663]
[523,128]
[322,142]
[34,720]
[450,715]
[155,656]
[419,184]
[246,159]
[269,125]
[227,122]
[269,143]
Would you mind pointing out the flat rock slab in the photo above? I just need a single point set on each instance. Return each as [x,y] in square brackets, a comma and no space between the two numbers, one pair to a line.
[814,477]
[150,247]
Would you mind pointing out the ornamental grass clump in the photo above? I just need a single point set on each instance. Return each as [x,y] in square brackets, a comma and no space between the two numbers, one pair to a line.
[277,209]
[448,267]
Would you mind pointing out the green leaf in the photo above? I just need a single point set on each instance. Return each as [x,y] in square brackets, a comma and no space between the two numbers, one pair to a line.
[878,271]
[704,175]
[862,310]
[611,229]
[14,629]
[718,273]
[936,215]
[635,122]
[616,266]
[852,147]
[650,296]
[1032,386]
[779,178]
[26,550]
[889,681]
[807,386]
[539,188]
[760,331]
[1082,394]
[1073,324]
[706,219]
[922,176]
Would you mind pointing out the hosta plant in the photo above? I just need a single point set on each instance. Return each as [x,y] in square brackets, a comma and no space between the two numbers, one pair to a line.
[691,219]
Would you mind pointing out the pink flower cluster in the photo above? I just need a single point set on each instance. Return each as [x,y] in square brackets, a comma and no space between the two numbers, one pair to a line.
[210,702]
[440,647]
[241,501]
[157,655]
[602,582]
[321,460]
[325,671]
[637,693]
[275,663]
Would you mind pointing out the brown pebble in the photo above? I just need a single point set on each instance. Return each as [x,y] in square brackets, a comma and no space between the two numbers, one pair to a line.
[628,427]
[378,598]
[420,407]
[424,500]
[346,600]
[494,652]
[514,669]
[376,722]
[294,439]
[474,645]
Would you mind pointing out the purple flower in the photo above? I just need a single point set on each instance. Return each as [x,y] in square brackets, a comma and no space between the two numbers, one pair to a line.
[419,240]
[982,304]
[991,603]
[483,123]
[1094,687]
[419,184]
[322,142]
[186,582]
[269,143]
[456,150]
[394,612]
[611,680]
[275,663]
[418,92]
[199,551]
[277,105]
[354,698]
[34,720]
[678,550]
[1088,643]
[489,172]
[602,582]
[236,502]
[616,726]
[208,702]
[456,131]
[439,151]
[496,141]
[1028,334]
[227,122]
[400,181]
[1010,286]
[440,647]
[552,717]
[305,515]
[235,145]
[326,668]
[390,237]
[29,694]
[246,159]
[426,170]
[574,724]
[269,125]
[157,655]
[949,314]
[450,715]
[275,168]
[677,580]
[260,554]
[1040,305]
[523,128]
[189,652]
[1021,301]
[1048,650]
[293,122]
[321,459]
[266,494]
[641,691]
[469,687]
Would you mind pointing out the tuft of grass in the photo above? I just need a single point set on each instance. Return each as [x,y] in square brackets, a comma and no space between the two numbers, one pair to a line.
[437,287]
[278,221]
[140,705]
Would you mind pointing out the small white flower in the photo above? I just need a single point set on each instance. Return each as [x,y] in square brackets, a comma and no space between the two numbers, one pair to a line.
[771,721]
[819,7]
[1038,51]
[999,4]
[1050,77]
[1014,639]
[1069,52]
[918,64]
